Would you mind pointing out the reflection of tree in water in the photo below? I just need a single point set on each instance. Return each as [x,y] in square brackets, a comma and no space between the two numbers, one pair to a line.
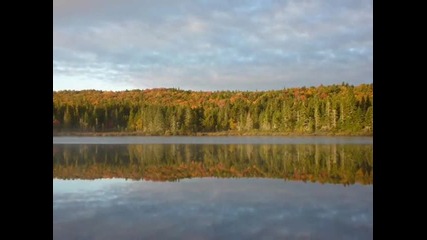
[345,164]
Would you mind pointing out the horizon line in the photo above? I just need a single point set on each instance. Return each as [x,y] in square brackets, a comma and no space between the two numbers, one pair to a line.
[217,90]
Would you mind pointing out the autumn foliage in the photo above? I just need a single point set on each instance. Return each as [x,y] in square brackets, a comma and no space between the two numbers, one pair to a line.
[335,109]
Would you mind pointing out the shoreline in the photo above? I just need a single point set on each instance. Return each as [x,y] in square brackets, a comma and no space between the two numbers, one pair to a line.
[209,134]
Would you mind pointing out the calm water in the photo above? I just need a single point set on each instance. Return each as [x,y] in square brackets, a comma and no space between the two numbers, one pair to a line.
[212,188]
[212,140]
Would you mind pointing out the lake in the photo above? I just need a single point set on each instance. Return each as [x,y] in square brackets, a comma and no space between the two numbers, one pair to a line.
[212,188]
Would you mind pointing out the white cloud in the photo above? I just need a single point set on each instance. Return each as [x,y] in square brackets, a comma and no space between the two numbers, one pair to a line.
[211,44]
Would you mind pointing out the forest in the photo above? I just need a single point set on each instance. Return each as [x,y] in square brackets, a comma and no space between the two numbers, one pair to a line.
[324,110]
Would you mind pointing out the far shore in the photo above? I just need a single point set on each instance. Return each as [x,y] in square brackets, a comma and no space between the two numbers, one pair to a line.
[226,133]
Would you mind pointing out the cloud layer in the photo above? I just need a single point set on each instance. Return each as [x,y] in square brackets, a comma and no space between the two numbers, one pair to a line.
[210,45]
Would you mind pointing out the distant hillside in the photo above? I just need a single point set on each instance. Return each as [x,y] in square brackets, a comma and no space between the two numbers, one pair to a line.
[335,109]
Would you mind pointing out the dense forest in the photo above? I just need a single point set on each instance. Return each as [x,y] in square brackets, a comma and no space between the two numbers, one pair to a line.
[334,109]
[331,163]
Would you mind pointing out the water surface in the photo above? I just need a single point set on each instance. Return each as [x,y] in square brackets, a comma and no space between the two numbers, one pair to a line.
[326,163]
[210,209]
[212,188]
[213,140]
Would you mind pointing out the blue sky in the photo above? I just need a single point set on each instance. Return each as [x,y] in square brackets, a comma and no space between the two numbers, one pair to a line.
[211,44]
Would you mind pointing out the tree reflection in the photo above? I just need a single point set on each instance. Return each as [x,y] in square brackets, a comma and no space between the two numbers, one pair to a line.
[343,164]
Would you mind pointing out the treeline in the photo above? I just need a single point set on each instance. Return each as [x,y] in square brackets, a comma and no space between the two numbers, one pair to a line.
[335,109]
[330,163]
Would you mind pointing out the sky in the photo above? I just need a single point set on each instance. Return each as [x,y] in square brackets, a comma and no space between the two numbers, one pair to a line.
[211,44]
